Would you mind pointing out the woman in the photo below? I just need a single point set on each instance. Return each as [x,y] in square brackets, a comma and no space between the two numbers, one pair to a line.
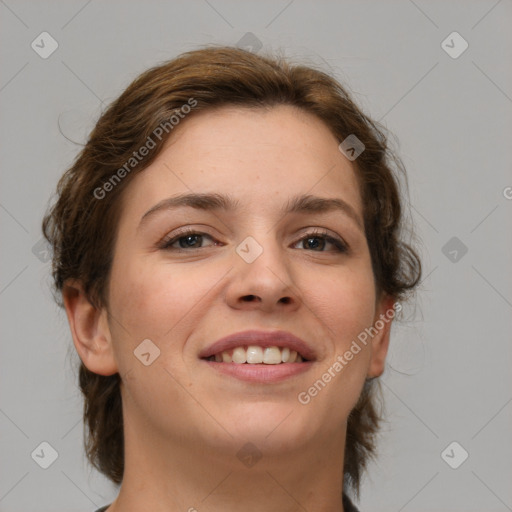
[228,248]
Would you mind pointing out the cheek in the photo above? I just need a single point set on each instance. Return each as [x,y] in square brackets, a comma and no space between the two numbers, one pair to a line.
[344,307]
[147,301]
[345,303]
[157,300]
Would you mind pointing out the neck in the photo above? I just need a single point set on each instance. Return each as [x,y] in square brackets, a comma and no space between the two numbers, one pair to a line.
[165,476]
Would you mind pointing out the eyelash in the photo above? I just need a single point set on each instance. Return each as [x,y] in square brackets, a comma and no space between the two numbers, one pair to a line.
[167,242]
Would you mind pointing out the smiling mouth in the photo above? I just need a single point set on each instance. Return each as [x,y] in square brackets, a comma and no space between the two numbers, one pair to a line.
[253,354]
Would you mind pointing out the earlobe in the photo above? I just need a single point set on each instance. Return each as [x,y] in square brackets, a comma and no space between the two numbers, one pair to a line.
[89,329]
[380,342]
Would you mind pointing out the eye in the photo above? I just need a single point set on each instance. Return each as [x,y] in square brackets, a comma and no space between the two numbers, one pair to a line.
[317,241]
[188,239]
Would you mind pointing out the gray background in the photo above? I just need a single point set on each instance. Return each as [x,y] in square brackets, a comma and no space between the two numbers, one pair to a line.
[448,377]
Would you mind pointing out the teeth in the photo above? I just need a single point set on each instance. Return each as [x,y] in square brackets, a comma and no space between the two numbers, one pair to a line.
[257,355]
[239,355]
[272,355]
[254,355]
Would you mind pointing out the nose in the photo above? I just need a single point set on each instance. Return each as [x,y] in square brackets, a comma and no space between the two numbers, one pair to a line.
[266,284]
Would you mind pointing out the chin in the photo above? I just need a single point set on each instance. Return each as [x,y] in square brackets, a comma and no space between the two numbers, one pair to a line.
[269,425]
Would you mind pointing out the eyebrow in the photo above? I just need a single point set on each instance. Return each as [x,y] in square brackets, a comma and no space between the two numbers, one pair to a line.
[212,201]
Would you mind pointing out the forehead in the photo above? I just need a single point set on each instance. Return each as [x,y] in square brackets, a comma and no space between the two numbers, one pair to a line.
[259,156]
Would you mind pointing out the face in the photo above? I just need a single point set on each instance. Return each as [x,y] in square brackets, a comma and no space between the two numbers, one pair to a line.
[184,277]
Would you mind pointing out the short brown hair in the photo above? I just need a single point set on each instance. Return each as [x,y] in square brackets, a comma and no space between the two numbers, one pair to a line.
[81,227]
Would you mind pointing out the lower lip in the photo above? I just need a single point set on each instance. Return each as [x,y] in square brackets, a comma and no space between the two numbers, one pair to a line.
[262,373]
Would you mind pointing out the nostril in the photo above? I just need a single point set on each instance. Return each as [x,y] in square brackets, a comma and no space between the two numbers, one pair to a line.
[249,297]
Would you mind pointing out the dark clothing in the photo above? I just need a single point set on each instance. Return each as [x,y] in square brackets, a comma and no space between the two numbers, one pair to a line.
[347,505]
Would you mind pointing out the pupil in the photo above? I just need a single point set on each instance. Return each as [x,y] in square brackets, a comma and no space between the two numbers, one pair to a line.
[190,238]
[313,245]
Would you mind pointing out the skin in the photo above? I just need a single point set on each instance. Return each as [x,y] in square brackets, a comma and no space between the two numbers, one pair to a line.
[184,422]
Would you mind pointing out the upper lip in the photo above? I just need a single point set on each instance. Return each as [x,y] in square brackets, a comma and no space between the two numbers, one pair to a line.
[279,339]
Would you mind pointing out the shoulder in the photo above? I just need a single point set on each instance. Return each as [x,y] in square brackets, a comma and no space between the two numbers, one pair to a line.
[348,506]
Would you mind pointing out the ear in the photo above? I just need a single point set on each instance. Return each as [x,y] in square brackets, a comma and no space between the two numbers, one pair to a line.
[384,314]
[90,330]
